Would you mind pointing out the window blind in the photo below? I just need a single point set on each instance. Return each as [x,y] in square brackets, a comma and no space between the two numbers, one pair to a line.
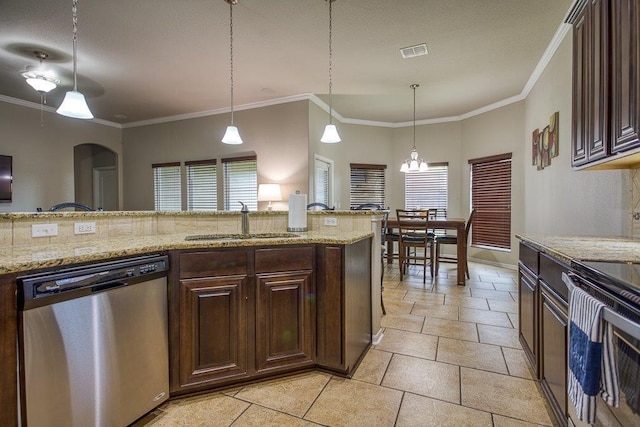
[491,197]
[322,183]
[167,189]
[428,190]
[367,184]
[240,183]
[202,185]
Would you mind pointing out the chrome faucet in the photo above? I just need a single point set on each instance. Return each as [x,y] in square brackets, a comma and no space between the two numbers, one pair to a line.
[245,219]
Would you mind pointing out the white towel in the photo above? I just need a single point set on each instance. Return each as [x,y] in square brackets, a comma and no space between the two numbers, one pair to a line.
[592,363]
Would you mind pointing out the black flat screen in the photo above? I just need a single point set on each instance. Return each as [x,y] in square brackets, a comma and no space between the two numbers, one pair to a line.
[5,178]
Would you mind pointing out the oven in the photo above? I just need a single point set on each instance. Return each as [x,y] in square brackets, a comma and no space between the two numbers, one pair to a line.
[618,286]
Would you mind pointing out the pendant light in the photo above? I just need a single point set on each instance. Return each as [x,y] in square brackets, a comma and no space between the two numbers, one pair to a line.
[330,135]
[414,164]
[231,136]
[74,105]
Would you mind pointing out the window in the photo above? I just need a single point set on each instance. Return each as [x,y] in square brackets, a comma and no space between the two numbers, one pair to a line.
[202,185]
[167,188]
[491,197]
[240,183]
[428,190]
[323,180]
[367,184]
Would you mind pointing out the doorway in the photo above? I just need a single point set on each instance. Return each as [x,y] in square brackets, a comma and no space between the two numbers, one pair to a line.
[96,176]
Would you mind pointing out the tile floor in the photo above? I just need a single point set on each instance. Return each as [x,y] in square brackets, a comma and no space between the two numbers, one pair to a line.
[450,356]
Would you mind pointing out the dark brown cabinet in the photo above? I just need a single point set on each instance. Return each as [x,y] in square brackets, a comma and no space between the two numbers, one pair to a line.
[285,309]
[605,80]
[8,352]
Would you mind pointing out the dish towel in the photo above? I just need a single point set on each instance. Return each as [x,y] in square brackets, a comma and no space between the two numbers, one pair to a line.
[592,364]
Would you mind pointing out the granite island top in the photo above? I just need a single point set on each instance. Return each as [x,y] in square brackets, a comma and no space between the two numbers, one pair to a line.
[585,248]
[17,259]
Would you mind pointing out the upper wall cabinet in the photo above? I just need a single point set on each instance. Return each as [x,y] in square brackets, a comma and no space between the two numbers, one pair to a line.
[606,99]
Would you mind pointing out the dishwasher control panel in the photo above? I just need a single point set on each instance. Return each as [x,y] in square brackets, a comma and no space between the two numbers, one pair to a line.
[88,279]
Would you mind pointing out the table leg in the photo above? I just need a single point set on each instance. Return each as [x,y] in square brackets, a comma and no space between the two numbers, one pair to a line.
[462,255]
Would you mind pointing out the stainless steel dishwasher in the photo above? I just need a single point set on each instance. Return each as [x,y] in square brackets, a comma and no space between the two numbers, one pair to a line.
[94,343]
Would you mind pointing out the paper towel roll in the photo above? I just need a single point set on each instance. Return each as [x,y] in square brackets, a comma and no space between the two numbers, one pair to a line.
[297,212]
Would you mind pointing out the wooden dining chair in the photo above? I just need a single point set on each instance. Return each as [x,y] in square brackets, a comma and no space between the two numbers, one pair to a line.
[449,239]
[416,242]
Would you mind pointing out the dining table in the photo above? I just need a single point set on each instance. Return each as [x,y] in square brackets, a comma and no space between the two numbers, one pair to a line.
[457,224]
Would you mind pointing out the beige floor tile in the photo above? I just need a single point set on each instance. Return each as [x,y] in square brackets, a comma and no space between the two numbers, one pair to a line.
[292,395]
[424,377]
[452,289]
[405,322]
[477,284]
[507,287]
[409,343]
[423,411]
[449,312]
[373,366]
[497,279]
[503,305]
[351,403]
[514,319]
[465,301]
[397,306]
[500,421]
[424,297]
[209,410]
[471,354]
[517,363]
[505,337]
[450,329]
[488,293]
[389,294]
[509,396]
[263,417]
[485,317]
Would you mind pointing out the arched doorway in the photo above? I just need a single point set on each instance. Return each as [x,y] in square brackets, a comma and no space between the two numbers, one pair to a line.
[96,176]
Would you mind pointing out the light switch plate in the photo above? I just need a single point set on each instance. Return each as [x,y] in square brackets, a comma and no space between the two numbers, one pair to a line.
[44,230]
[84,227]
[331,221]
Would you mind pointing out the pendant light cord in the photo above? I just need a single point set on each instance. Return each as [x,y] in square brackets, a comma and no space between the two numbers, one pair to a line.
[74,10]
[414,115]
[330,65]
[231,52]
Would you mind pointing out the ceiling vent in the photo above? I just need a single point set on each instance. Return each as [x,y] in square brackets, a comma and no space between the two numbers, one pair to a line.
[411,51]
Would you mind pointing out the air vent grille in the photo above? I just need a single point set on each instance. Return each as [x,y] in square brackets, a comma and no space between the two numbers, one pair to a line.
[412,51]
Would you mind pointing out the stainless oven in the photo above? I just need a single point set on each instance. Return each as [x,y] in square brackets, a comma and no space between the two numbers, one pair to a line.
[618,286]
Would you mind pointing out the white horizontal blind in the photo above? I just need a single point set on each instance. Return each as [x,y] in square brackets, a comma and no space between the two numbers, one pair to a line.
[491,198]
[367,184]
[167,189]
[322,183]
[240,183]
[428,190]
[202,185]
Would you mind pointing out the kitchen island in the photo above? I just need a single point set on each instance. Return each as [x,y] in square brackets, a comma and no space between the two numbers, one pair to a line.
[314,288]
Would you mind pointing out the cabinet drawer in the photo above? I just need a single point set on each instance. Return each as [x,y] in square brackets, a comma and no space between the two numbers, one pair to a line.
[271,260]
[551,273]
[213,263]
[529,257]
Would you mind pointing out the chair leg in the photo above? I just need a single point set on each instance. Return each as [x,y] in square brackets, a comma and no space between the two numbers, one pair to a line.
[466,269]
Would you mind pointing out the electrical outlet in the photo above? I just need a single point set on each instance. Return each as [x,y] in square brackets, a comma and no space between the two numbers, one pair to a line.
[44,230]
[332,221]
[84,227]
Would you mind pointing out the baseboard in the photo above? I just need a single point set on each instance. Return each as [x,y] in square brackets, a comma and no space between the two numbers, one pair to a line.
[377,338]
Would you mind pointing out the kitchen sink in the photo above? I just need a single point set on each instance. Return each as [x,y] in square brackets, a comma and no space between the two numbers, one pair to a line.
[239,236]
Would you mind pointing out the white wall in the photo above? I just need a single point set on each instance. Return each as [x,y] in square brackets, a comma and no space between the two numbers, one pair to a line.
[43,169]
[557,199]
[278,135]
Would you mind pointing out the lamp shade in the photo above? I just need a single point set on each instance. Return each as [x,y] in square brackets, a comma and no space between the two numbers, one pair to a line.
[330,135]
[74,105]
[232,136]
[269,193]
[41,84]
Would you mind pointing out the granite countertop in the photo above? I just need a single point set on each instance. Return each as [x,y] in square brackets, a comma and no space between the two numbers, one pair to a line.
[585,248]
[16,259]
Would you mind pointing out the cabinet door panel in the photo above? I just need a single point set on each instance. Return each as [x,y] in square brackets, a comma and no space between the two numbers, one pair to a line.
[625,75]
[580,91]
[598,112]
[284,315]
[528,303]
[213,329]
[553,345]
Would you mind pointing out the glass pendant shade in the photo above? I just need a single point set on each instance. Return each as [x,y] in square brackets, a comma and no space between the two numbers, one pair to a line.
[41,84]
[232,136]
[330,135]
[74,105]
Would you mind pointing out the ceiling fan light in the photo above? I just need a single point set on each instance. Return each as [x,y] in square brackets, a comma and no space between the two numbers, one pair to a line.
[330,135]
[74,105]
[232,136]
[41,84]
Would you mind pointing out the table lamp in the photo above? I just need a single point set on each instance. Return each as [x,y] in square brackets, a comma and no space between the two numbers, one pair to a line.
[269,193]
